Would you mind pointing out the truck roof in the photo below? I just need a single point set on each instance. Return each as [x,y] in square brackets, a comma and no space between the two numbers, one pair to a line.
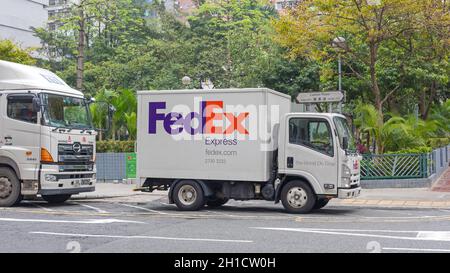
[199,91]
[309,114]
[15,76]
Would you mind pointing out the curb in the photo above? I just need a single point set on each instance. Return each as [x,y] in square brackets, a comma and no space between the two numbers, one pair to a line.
[380,203]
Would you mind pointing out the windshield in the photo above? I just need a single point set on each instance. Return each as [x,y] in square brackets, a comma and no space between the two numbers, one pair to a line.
[343,130]
[66,112]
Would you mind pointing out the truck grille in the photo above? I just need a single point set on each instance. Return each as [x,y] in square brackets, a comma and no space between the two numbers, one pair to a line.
[75,153]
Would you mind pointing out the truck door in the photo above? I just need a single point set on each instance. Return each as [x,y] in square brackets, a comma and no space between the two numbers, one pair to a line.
[21,133]
[2,114]
[311,151]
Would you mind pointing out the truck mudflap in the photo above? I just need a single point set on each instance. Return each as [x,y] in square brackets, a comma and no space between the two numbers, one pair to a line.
[349,193]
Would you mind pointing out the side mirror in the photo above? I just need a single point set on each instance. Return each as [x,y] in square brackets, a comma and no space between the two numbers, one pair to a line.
[344,143]
[36,105]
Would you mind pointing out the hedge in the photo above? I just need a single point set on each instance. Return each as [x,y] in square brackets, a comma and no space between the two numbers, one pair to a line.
[110,146]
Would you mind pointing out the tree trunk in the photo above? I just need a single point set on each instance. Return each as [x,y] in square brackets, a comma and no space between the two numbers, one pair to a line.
[424,107]
[376,92]
[81,47]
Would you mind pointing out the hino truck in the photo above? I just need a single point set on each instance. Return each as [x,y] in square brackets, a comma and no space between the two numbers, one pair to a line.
[47,141]
[209,146]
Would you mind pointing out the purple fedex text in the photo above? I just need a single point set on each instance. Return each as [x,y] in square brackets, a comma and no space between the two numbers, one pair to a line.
[174,123]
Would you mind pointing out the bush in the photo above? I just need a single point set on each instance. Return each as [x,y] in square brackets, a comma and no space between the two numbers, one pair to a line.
[418,150]
[110,146]
[438,142]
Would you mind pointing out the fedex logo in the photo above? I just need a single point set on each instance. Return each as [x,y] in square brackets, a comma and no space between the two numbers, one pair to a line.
[210,114]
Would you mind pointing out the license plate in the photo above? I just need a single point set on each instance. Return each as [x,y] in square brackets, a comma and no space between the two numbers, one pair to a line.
[85,181]
[76,183]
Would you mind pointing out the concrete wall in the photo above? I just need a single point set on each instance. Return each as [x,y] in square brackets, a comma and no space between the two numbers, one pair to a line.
[18,16]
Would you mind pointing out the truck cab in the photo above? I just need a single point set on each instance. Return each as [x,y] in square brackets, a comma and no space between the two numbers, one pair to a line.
[319,149]
[47,140]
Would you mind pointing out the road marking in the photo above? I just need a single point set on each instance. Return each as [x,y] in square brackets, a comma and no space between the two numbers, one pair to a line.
[139,237]
[89,221]
[141,208]
[38,206]
[428,237]
[416,249]
[91,207]
[220,213]
[435,235]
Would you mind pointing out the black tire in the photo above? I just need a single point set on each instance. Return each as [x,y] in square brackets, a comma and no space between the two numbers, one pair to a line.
[216,202]
[56,199]
[188,195]
[298,197]
[10,188]
[320,203]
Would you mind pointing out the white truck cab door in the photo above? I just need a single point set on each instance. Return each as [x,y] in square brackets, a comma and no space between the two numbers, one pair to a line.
[21,134]
[311,152]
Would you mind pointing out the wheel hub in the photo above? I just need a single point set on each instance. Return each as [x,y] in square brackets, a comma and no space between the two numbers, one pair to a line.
[5,187]
[187,195]
[297,197]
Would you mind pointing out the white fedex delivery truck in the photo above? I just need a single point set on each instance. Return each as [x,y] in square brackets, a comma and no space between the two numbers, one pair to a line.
[209,146]
[47,142]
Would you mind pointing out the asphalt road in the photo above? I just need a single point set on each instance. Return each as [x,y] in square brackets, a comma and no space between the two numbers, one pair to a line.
[118,225]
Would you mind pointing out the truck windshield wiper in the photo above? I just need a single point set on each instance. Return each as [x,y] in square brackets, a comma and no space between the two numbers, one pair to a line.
[57,128]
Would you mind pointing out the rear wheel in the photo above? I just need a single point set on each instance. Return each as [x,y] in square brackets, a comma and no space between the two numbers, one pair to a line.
[9,188]
[56,199]
[188,195]
[216,202]
[298,197]
[320,203]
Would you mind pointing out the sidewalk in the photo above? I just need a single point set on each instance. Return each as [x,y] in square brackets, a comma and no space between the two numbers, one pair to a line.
[399,198]
[443,182]
[119,192]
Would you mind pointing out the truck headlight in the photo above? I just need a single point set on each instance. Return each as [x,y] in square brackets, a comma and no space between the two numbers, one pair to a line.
[346,172]
[346,182]
[51,178]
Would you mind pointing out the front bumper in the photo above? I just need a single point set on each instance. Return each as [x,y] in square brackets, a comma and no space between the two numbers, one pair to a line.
[67,182]
[349,193]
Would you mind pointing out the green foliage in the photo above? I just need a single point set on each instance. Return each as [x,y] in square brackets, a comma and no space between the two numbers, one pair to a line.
[417,150]
[12,53]
[115,146]
[398,133]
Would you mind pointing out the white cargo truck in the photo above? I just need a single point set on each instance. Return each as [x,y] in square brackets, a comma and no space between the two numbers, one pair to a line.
[47,141]
[209,146]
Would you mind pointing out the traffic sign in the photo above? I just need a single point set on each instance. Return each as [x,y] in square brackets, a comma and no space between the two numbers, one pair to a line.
[317,97]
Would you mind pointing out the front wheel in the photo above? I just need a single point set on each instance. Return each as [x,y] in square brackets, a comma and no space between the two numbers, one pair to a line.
[298,197]
[56,199]
[188,195]
[216,202]
[320,203]
[9,188]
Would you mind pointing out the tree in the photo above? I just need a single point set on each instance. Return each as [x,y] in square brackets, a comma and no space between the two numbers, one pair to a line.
[380,38]
[12,53]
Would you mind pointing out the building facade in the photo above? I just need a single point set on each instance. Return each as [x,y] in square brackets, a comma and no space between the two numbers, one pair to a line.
[19,17]
[58,9]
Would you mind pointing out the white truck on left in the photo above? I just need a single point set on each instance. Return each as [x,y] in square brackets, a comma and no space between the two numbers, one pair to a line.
[47,140]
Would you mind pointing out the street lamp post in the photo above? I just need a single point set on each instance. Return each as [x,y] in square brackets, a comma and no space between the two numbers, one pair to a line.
[340,44]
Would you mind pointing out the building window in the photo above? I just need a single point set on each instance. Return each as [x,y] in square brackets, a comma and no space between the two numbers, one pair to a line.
[52,2]
[52,26]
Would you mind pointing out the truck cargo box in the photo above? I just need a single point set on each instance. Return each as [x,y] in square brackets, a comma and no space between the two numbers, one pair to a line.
[219,134]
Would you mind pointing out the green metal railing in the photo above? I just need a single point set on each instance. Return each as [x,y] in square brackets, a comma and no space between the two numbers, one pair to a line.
[395,166]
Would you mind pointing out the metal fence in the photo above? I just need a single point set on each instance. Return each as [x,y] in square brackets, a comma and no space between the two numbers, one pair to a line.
[404,166]
[121,166]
